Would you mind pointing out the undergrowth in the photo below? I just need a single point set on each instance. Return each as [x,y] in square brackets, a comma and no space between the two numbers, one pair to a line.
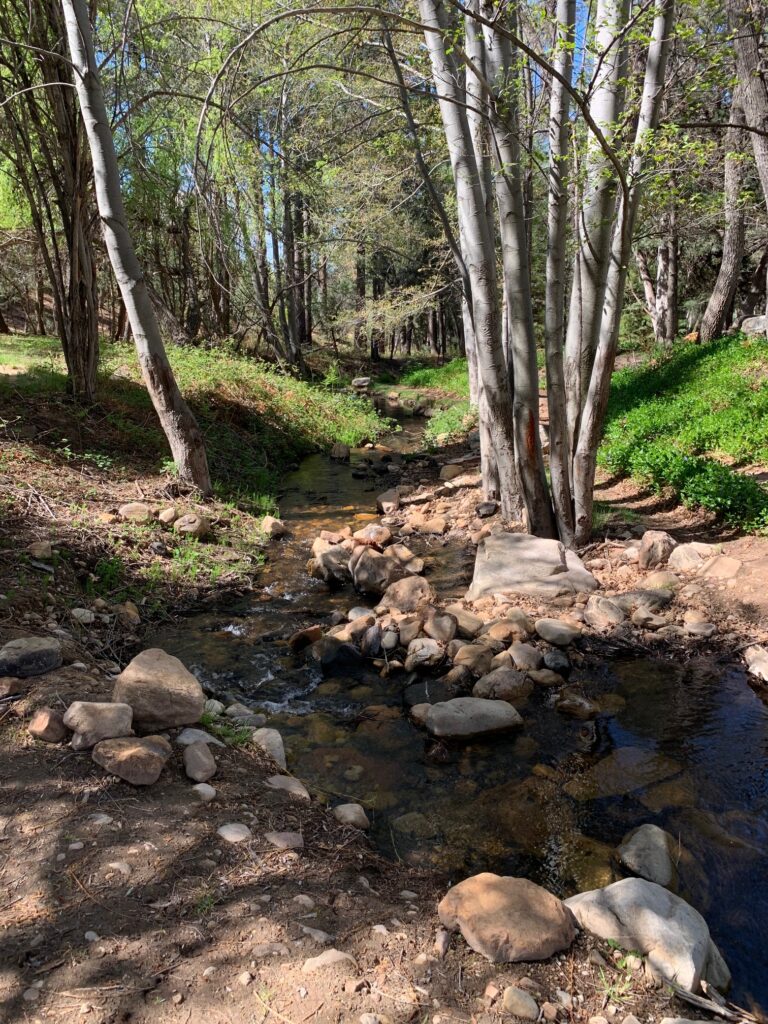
[453,416]
[685,420]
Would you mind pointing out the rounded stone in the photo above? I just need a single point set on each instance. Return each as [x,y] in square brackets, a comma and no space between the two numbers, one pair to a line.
[234,832]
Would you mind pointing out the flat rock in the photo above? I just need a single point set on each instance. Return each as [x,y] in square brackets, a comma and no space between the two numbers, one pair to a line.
[94,721]
[470,716]
[622,771]
[30,656]
[507,919]
[557,632]
[160,690]
[649,852]
[136,760]
[757,662]
[352,814]
[192,525]
[136,512]
[690,557]
[603,613]
[503,684]
[328,958]
[520,1003]
[722,567]
[423,652]
[285,840]
[407,595]
[640,915]
[234,832]
[271,741]
[188,735]
[287,784]
[199,762]
[517,563]
[47,725]
[468,625]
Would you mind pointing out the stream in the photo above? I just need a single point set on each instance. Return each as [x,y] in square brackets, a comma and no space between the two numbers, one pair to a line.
[684,746]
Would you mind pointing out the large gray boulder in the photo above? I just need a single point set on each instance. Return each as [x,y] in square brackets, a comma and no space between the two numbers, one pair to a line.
[470,716]
[160,690]
[517,563]
[650,852]
[640,915]
[507,919]
[30,656]
[754,325]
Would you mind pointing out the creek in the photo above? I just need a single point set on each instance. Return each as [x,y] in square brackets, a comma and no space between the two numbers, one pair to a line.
[685,746]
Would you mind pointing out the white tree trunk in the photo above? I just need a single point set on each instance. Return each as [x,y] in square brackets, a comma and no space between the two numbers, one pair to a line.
[176,419]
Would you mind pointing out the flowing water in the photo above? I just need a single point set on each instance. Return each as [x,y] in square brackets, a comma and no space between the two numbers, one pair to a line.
[684,746]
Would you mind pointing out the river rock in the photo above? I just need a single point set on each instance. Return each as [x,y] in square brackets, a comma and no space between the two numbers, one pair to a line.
[47,725]
[690,557]
[273,528]
[754,325]
[371,641]
[302,638]
[423,652]
[234,832]
[603,613]
[525,656]
[30,656]
[440,626]
[192,525]
[271,742]
[373,535]
[160,690]
[507,919]
[503,684]
[330,650]
[372,571]
[136,512]
[557,661]
[285,840]
[649,852]
[517,563]
[557,632]
[622,771]
[570,702]
[199,762]
[328,958]
[520,1003]
[475,657]
[722,567]
[136,760]
[340,452]
[388,502]
[468,625]
[470,716]
[655,548]
[643,916]
[352,814]
[757,662]
[287,784]
[407,595]
[92,721]
[410,562]
[204,792]
[330,563]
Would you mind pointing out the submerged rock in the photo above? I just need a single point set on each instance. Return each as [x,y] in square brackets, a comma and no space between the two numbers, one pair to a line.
[507,919]
[470,716]
[623,771]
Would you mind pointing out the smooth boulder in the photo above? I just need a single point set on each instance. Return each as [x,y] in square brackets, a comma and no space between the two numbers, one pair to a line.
[138,761]
[643,916]
[650,853]
[507,919]
[470,716]
[95,721]
[518,563]
[160,690]
[30,656]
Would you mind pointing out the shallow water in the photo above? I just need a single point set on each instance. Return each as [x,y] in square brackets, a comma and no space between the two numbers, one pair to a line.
[686,747]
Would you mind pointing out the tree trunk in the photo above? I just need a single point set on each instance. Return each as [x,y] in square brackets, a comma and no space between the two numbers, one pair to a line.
[176,419]
[720,303]
[360,296]
[554,313]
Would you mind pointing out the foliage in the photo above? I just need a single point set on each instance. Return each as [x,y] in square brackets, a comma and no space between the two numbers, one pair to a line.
[684,420]
[450,423]
[451,377]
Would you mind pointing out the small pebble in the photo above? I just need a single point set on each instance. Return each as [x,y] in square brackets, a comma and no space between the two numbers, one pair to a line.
[91,937]
[245,978]
[209,972]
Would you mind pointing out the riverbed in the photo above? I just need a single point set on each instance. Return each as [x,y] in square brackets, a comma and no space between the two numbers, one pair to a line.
[682,746]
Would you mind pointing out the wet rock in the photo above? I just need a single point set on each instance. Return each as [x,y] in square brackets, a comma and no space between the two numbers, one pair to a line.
[329,958]
[642,916]
[557,661]
[329,650]
[655,548]
[757,662]
[571,702]
[30,656]
[304,637]
[136,512]
[503,684]
[91,722]
[470,716]
[603,613]
[271,742]
[199,762]
[423,652]
[192,525]
[520,1003]
[408,595]
[690,557]
[507,919]
[330,563]
[525,656]
[467,624]
[373,535]
[371,641]
[160,690]
[234,832]
[187,736]
[136,760]
[388,502]
[516,563]
[47,725]
[415,825]
[440,627]
[340,452]
[649,852]
[557,632]
[285,840]
[372,571]
[622,771]
[352,814]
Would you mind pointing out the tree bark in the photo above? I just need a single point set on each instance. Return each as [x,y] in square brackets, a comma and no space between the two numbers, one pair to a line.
[720,303]
[176,419]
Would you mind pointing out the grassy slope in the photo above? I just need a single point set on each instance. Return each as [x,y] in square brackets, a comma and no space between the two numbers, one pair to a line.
[454,417]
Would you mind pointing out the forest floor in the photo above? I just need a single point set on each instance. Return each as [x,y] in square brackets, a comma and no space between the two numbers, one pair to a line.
[122,904]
